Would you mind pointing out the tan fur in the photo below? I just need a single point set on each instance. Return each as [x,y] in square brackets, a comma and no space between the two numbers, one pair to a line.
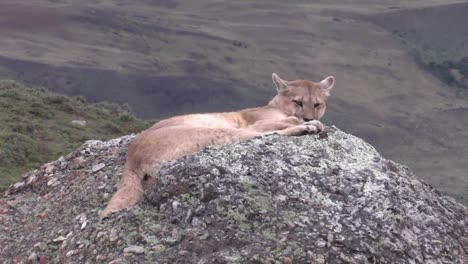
[295,110]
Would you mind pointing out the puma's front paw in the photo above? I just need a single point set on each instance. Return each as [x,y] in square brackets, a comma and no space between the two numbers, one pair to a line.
[311,127]
[315,126]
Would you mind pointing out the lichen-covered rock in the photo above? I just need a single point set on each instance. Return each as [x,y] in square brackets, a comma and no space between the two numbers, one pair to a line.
[327,198]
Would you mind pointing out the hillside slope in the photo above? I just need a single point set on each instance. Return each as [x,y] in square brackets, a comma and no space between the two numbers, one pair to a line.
[172,57]
[38,126]
[327,198]
[436,36]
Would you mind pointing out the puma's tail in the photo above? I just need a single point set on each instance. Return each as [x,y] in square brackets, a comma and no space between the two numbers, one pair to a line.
[129,192]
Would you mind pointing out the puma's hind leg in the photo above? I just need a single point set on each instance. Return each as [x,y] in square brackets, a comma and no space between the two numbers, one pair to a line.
[129,192]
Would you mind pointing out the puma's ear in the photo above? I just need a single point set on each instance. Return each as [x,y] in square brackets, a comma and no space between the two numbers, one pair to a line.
[327,84]
[281,85]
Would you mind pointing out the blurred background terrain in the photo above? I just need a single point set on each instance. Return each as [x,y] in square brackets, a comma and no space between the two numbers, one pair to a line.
[401,67]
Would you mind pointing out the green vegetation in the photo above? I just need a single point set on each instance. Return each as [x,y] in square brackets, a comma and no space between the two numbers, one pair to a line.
[36,126]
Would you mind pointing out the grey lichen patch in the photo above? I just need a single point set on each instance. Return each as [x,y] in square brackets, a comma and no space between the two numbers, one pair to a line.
[311,199]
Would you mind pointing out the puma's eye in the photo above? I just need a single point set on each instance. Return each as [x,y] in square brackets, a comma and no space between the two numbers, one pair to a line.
[298,103]
[317,105]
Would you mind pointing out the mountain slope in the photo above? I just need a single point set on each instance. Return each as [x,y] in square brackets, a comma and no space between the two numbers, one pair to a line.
[38,126]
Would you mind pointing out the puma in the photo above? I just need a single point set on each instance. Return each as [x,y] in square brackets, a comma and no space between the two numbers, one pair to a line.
[295,110]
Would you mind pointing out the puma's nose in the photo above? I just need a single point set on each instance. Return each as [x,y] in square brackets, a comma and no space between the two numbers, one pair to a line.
[308,119]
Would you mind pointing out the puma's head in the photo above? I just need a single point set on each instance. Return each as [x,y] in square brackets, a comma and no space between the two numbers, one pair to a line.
[301,98]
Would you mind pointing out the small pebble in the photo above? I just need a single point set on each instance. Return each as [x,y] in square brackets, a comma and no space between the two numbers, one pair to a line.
[33,257]
[98,167]
[134,249]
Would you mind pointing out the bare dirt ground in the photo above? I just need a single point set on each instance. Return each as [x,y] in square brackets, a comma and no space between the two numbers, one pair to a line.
[145,53]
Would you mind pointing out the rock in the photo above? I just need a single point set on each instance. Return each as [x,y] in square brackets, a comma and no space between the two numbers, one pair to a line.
[83,220]
[43,260]
[41,245]
[189,216]
[113,235]
[175,206]
[18,185]
[320,259]
[175,237]
[79,122]
[327,198]
[31,179]
[33,257]
[335,190]
[102,237]
[59,239]
[49,168]
[78,162]
[98,167]
[158,249]
[53,182]
[329,240]
[134,249]
[287,260]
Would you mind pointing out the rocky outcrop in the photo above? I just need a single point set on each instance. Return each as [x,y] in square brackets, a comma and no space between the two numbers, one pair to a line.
[327,198]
